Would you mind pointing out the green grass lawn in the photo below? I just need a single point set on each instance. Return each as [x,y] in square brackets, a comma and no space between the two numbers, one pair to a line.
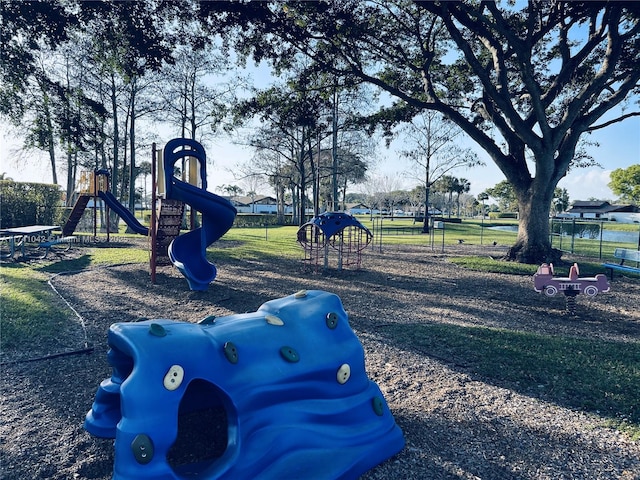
[96,256]
[257,242]
[29,311]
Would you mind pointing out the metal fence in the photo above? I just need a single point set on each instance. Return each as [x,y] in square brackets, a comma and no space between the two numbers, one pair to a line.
[588,238]
[596,239]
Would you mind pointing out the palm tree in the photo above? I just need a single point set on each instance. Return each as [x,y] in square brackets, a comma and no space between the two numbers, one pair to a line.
[446,185]
[251,194]
[460,186]
[231,190]
[483,196]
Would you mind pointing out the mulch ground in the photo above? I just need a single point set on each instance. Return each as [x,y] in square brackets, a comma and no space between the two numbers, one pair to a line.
[457,425]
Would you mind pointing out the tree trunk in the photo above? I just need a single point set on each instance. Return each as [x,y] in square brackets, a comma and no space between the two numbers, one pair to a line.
[115,177]
[532,244]
[425,224]
[52,147]
[132,150]
[101,163]
[295,209]
[72,160]
[334,149]
[303,190]
[280,194]
[344,195]
[116,137]
[315,176]
[52,160]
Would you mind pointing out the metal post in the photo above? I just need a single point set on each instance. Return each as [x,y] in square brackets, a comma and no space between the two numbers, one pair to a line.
[94,198]
[601,233]
[326,253]
[340,250]
[482,224]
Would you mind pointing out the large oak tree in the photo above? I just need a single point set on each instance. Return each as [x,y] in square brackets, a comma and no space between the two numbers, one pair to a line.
[526,81]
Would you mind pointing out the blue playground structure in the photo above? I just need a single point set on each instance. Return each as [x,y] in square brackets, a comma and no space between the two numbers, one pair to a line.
[278,393]
[188,252]
[124,213]
[334,232]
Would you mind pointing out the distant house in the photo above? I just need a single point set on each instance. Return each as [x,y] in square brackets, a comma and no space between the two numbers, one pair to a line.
[600,210]
[624,214]
[257,204]
[358,209]
[589,209]
[363,209]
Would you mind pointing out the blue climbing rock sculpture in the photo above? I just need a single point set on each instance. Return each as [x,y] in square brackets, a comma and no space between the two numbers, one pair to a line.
[288,383]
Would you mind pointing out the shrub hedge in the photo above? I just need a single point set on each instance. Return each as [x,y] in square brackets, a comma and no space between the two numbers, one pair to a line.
[498,215]
[260,220]
[26,203]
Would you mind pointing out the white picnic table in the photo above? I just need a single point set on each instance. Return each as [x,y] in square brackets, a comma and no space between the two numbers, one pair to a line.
[20,236]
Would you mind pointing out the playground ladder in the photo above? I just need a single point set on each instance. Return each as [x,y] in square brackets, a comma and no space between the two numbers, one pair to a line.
[170,214]
[76,215]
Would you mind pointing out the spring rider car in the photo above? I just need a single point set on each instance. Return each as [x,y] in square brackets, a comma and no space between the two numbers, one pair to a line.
[571,286]
[277,393]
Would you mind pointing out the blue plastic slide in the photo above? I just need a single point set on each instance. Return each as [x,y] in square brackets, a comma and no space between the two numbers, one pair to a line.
[123,213]
[188,252]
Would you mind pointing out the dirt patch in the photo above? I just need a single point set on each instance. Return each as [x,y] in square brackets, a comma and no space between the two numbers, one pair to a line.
[456,423]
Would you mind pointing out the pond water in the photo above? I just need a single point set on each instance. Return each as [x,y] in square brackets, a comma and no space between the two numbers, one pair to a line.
[607,235]
[505,228]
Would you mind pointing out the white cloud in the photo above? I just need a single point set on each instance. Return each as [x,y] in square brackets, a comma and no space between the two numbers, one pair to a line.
[589,183]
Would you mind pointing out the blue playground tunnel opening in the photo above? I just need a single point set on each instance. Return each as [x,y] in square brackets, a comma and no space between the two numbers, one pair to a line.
[206,423]
[203,430]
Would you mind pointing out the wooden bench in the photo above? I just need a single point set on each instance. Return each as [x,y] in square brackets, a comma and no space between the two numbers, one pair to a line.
[624,254]
[56,241]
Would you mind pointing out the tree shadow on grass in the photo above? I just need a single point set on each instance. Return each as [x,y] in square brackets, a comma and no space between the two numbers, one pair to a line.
[33,320]
[71,265]
[593,375]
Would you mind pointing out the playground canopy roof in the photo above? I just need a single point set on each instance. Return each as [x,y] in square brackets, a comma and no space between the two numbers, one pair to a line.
[333,222]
